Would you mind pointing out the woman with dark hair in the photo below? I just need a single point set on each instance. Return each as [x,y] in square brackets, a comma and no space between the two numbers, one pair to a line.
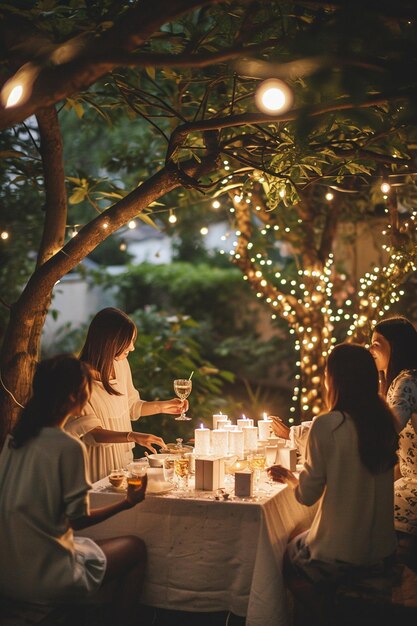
[351,452]
[105,423]
[394,348]
[44,496]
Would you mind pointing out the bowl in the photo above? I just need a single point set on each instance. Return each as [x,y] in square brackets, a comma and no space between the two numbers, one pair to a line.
[156,460]
[172,448]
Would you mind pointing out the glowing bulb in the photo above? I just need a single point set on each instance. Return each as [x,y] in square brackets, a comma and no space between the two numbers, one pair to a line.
[14,96]
[172,218]
[4,235]
[204,230]
[215,204]
[329,196]
[123,246]
[273,96]
[237,198]
[385,187]
[132,224]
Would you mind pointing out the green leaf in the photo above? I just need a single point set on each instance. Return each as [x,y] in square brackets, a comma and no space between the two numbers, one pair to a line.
[150,72]
[148,220]
[77,196]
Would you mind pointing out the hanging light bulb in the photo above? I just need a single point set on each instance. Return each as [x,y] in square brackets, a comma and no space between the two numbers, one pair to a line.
[4,235]
[172,217]
[215,204]
[204,230]
[385,187]
[123,246]
[329,196]
[131,224]
[273,96]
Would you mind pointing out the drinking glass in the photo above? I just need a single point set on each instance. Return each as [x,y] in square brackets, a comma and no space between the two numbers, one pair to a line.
[136,475]
[168,465]
[182,471]
[182,388]
[257,463]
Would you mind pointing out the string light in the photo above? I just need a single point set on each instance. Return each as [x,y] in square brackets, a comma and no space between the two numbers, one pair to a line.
[273,96]
[131,224]
[4,235]
[172,217]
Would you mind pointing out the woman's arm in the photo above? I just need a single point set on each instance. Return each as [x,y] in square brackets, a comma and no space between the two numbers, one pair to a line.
[95,516]
[172,407]
[147,440]
[402,399]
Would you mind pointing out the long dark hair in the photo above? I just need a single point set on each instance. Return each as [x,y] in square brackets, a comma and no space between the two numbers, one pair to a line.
[109,334]
[59,385]
[402,338]
[353,387]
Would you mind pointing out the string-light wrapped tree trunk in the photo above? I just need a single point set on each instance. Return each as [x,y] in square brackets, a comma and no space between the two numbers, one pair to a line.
[306,302]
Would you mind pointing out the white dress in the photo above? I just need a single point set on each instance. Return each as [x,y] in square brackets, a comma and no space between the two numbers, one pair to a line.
[43,485]
[402,398]
[354,522]
[111,413]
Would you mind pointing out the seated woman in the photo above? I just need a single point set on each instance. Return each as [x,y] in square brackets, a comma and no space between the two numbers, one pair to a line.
[351,453]
[394,348]
[44,496]
[104,425]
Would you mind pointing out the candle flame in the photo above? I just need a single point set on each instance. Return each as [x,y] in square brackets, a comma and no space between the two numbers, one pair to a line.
[201,425]
[244,416]
[265,416]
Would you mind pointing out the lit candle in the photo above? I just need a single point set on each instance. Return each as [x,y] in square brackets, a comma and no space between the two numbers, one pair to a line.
[244,421]
[218,416]
[236,443]
[219,442]
[202,441]
[250,434]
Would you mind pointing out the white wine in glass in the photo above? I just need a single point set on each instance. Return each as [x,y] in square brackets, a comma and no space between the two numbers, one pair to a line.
[182,388]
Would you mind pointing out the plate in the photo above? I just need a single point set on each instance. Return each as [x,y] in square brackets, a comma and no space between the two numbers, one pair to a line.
[162,487]
[154,487]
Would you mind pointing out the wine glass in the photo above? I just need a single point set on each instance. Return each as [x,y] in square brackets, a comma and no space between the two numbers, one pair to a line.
[182,388]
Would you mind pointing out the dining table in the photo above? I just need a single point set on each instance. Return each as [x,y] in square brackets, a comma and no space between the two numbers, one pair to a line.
[209,554]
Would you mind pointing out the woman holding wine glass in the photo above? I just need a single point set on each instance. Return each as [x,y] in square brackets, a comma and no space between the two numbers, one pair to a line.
[105,422]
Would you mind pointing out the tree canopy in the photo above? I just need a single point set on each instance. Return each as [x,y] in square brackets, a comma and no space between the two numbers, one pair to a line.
[181,76]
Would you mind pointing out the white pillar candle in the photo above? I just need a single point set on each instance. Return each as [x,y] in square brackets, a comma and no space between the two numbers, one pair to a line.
[222,423]
[218,416]
[237,443]
[230,427]
[202,441]
[264,428]
[244,422]
[219,442]
[250,434]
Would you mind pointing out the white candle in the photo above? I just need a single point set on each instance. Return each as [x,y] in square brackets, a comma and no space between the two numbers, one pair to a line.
[222,423]
[219,442]
[218,416]
[244,421]
[236,443]
[250,437]
[230,427]
[202,441]
[264,428]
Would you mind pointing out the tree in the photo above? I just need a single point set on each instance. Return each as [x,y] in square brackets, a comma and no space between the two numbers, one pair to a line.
[189,69]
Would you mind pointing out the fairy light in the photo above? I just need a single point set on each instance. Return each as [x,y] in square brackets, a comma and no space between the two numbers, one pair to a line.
[131,224]
[172,217]
[215,204]
[4,235]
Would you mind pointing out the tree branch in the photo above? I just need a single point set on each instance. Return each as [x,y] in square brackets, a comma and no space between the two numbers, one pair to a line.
[54,180]
[68,68]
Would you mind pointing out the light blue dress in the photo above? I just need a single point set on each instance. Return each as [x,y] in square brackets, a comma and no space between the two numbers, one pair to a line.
[43,486]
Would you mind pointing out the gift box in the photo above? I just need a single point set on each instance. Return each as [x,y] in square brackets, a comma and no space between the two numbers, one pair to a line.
[209,474]
[244,484]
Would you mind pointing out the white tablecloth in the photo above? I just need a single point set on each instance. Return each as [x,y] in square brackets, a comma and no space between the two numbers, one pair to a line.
[207,555]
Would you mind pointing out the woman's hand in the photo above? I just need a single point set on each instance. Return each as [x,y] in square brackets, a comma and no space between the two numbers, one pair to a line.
[136,494]
[280,429]
[282,475]
[148,441]
[174,406]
